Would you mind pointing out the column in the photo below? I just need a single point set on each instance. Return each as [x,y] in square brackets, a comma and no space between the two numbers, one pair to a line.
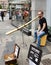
[48,12]
[33,15]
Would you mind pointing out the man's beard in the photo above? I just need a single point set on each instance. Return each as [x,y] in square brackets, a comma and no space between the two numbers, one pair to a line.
[40,17]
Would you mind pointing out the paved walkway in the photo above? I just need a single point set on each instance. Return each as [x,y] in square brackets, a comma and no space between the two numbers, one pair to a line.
[7,42]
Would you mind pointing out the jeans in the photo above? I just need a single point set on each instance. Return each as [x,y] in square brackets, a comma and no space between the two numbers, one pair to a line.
[17,17]
[38,36]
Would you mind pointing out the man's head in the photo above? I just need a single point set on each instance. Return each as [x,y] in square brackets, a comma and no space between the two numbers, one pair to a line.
[40,14]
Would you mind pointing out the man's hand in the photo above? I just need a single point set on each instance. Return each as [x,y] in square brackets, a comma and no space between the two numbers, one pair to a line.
[38,32]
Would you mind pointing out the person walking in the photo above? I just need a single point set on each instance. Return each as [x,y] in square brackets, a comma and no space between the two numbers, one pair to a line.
[2,15]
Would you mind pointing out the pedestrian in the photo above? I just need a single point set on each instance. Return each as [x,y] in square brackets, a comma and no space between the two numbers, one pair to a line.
[17,13]
[2,15]
[26,16]
[20,15]
[42,28]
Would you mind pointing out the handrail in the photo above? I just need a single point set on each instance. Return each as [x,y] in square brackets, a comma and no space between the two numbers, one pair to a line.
[9,32]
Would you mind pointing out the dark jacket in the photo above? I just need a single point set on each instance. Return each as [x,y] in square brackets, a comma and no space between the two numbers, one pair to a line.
[2,13]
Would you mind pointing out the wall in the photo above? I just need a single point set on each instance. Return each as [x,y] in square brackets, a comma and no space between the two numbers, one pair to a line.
[4,3]
[48,12]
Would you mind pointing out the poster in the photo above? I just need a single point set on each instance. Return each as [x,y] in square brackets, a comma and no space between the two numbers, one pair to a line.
[35,54]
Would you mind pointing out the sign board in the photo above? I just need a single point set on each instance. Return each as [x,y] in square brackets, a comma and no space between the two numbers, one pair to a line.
[35,54]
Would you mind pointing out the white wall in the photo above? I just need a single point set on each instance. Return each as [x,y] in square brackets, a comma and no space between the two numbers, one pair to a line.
[33,15]
[48,12]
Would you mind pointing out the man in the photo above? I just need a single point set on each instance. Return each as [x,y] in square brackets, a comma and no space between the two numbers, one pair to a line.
[26,15]
[42,28]
[2,15]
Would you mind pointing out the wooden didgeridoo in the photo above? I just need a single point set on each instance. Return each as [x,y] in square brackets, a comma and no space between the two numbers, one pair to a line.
[9,32]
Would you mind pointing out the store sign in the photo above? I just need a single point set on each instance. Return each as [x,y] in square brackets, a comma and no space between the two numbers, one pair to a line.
[35,54]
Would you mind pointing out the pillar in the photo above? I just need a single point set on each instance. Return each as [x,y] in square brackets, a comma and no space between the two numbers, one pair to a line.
[33,15]
[48,12]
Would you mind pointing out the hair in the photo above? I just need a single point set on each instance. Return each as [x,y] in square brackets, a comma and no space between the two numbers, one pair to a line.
[15,44]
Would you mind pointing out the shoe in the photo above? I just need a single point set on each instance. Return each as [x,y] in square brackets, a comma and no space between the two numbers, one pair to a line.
[34,41]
